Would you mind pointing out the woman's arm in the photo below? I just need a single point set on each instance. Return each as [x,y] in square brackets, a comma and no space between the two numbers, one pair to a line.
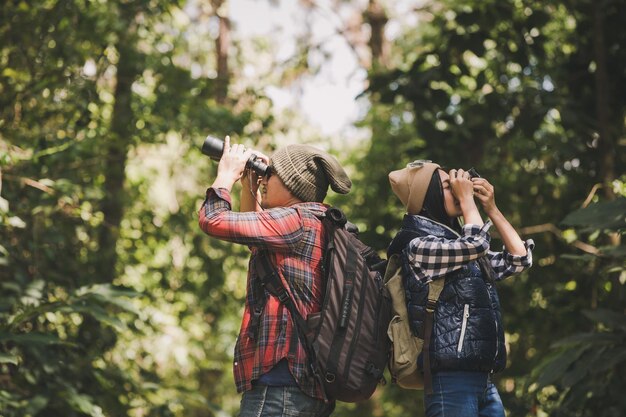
[250,195]
[484,192]
[250,182]
[279,229]
[462,188]
[432,257]
[517,254]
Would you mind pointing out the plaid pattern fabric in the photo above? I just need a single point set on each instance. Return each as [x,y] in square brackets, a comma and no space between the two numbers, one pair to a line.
[293,237]
[432,257]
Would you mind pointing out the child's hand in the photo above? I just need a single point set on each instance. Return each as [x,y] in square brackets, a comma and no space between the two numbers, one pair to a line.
[461,184]
[485,193]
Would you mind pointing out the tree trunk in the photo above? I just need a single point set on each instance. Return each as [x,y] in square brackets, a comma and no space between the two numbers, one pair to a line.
[606,145]
[115,155]
[606,141]
[377,18]
[222,44]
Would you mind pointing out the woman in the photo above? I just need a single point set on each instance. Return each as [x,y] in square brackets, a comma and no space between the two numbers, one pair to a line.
[270,363]
[467,340]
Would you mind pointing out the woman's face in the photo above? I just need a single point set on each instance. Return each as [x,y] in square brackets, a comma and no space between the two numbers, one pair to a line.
[275,194]
[450,203]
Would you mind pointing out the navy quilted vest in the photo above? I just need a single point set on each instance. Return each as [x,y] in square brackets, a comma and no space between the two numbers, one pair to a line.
[467,333]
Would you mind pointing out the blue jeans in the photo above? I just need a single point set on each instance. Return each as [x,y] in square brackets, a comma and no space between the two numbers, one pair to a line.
[287,401]
[463,394]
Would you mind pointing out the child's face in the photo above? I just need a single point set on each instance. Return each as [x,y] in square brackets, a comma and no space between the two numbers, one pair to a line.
[450,202]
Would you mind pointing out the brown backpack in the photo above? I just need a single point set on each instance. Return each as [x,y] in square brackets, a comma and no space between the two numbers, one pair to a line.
[346,342]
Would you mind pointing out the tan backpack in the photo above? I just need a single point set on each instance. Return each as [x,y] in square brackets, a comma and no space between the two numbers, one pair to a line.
[405,346]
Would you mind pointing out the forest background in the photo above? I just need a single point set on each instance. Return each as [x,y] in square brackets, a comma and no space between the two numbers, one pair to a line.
[112,301]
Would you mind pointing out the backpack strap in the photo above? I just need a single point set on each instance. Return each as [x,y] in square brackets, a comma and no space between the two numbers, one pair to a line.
[434,291]
[274,285]
[489,274]
[257,301]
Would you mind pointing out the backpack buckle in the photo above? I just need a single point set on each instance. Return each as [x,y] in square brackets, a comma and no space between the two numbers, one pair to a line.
[337,216]
[283,297]
[374,371]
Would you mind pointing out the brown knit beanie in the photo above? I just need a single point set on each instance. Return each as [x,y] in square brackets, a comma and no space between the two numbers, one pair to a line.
[411,183]
[307,172]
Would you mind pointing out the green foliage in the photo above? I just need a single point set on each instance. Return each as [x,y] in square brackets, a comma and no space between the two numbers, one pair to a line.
[582,375]
[72,343]
[513,88]
[48,344]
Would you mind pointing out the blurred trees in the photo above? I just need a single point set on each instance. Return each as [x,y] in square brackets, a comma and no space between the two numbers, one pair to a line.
[113,303]
[91,93]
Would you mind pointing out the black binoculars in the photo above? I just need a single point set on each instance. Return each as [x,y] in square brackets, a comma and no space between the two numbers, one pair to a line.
[473,173]
[214,148]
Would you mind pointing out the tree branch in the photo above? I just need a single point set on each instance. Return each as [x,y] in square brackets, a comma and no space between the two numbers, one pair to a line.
[551,228]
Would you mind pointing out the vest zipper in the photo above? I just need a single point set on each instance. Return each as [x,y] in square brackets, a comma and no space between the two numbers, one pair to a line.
[495,321]
[463,327]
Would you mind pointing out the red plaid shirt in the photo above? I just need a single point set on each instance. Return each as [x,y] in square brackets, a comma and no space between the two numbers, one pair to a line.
[293,237]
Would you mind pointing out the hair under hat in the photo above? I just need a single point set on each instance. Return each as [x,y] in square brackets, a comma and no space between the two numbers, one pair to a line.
[307,172]
[410,184]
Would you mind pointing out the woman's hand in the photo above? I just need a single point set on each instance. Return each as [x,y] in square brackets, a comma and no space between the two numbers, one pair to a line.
[462,189]
[485,194]
[250,180]
[232,164]
[461,185]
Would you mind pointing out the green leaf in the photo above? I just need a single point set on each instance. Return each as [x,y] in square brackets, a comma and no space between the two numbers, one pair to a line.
[121,303]
[553,369]
[613,358]
[101,315]
[580,368]
[36,404]
[25,339]
[29,313]
[8,358]
[570,256]
[107,291]
[83,403]
[611,318]
[587,339]
[607,215]
[618,252]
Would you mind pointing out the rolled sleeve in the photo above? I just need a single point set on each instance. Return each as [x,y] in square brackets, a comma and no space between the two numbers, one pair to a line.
[217,200]
[525,261]
[475,229]
[506,264]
